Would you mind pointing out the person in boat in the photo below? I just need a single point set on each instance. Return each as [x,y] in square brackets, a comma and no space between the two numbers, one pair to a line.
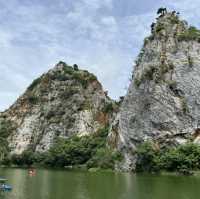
[32,172]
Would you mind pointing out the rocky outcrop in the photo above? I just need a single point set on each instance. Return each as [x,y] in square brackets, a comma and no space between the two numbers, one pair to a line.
[65,101]
[162,104]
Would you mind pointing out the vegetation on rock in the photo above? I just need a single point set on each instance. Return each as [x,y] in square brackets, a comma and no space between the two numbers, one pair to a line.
[190,34]
[88,150]
[183,159]
[5,130]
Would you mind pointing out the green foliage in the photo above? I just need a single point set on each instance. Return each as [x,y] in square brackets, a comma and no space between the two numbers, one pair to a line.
[161,11]
[75,66]
[148,74]
[159,27]
[90,150]
[33,99]
[84,78]
[62,63]
[164,69]
[190,61]
[147,158]
[137,81]
[190,34]
[151,37]
[26,158]
[184,105]
[104,158]
[108,108]
[75,151]
[86,105]
[153,73]
[34,83]
[174,19]
[5,131]
[69,92]
[80,77]
[68,70]
[182,159]
[87,150]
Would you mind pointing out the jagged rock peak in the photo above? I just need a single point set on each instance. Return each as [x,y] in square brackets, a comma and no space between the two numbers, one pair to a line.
[162,103]
[64,102]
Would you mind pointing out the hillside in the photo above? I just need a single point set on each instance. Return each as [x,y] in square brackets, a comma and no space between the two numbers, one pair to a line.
[64,102]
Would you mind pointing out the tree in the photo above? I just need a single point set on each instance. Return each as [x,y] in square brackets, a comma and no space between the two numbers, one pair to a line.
[76,67]
[5,130]
[161,11]
[152,26]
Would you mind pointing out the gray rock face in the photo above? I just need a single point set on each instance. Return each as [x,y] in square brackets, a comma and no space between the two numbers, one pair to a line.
[63,102]
[162,104]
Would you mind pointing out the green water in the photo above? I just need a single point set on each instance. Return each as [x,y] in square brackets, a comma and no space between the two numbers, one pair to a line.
[54,184]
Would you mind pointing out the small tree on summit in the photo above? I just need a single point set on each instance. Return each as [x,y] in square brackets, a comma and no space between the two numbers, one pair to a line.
[162,11]
[75,66]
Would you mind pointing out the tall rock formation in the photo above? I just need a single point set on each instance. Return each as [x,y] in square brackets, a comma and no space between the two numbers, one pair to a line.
[162,104]
[63,102]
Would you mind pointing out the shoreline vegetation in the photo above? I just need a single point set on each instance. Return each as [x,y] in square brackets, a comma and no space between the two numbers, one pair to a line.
[92,153]
[183,159]
[88,152]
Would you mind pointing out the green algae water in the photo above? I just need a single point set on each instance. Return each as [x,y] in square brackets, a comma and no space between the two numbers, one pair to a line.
[60,184]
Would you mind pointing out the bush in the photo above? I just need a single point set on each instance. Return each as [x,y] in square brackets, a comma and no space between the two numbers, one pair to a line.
[190,61]
[89,150]
[108,108]
[34,83]
[33,99]
[6,128]
[184,105]
[160,27]
[26,158]
[174,19]
[75,66]
[148,158]
[182,159]
[190,34]
[104,159]
[69,92]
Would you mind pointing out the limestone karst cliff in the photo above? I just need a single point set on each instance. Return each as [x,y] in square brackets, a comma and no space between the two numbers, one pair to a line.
[61,103]
[162,104]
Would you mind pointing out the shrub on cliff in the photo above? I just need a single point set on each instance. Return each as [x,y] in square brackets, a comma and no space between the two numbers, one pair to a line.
[5,130]
[191,33]
[26,158]
[104,158]
[87,150]
[76,150]
[182,159]
[34,83]
[148,158]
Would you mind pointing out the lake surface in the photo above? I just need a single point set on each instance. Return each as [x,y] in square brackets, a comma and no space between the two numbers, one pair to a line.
[59,184]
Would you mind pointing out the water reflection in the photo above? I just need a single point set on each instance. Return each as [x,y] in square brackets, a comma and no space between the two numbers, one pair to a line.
[56,184]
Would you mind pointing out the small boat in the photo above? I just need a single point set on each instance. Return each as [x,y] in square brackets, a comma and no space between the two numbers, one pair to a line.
[4,186]
[32,172]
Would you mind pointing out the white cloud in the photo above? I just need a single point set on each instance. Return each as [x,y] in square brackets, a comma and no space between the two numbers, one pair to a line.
[91,33]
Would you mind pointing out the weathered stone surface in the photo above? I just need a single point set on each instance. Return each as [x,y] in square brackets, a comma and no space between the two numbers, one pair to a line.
[162,103]
[63,102]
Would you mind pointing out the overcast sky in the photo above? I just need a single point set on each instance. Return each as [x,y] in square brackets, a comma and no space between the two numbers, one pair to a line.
[102,36]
